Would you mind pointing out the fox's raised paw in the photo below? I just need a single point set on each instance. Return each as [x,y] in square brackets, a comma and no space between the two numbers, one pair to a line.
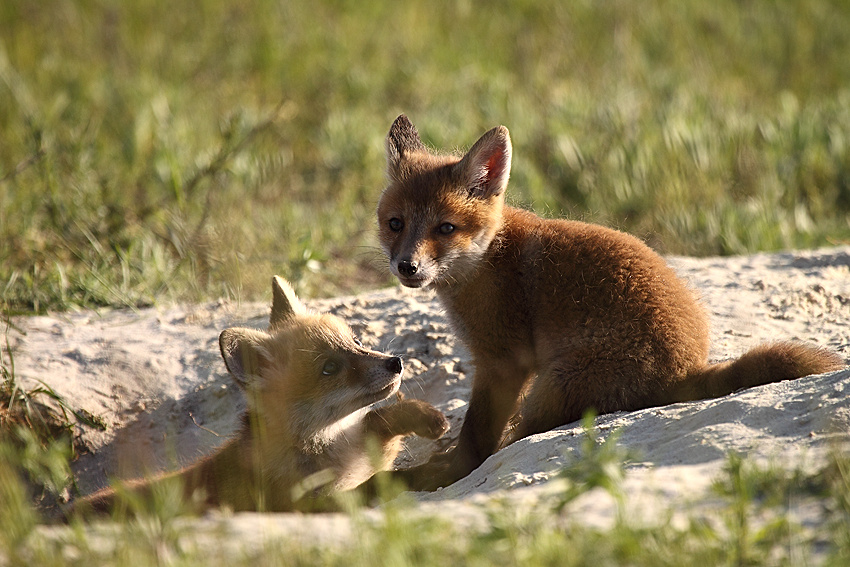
[424,419]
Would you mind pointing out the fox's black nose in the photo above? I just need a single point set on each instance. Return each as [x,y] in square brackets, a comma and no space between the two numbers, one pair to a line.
[394,365]
[407,268]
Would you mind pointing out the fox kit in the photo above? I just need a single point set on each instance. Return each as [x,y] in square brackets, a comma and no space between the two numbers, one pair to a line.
[559,316]
[309,385]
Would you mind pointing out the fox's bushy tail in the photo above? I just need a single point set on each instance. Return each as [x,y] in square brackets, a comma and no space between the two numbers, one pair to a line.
[762,365]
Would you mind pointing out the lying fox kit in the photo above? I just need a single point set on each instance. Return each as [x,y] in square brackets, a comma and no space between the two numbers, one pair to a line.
[309,385]
[560,316]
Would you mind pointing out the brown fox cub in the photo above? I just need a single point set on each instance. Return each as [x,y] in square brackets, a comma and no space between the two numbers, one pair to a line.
[309,385]
[560,316]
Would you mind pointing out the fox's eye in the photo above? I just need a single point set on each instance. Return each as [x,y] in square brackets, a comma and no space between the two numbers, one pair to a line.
[446,228]
[396,224]
[330,368]
[358,342]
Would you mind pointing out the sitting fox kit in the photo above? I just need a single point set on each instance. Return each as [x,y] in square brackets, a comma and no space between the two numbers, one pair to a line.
[560,316]
[309,385]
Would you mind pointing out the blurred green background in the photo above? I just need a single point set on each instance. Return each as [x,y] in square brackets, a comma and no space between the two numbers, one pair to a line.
[157,151]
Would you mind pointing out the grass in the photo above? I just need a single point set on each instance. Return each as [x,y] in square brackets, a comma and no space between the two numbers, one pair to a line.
[751,522]
[38,412]
[38,439]
[153,154]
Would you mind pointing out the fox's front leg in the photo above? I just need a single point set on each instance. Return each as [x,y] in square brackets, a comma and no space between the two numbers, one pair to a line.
[407,417]
[388,424]
[495,392]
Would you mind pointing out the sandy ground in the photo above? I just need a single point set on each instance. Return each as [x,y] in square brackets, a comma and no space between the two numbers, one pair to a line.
[156,377]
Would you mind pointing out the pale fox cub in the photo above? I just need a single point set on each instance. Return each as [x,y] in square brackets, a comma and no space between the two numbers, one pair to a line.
[309,384]
[560,316]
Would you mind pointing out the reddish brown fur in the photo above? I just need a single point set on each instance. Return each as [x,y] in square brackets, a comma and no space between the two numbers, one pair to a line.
[573,316]
[300,421]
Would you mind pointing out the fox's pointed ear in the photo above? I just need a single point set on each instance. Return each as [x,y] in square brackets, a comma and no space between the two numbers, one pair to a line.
[285,304]
[242,354]
[402,140]
[487,165]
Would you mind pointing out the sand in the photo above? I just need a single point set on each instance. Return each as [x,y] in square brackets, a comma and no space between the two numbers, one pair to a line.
[156,377]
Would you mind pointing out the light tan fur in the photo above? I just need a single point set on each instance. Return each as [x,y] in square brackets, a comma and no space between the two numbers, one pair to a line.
[560,316]
[310,386]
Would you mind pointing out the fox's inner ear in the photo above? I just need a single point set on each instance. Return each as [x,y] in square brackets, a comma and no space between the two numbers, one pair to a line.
[285,304]
[242,354]
[487,165]
[401,141]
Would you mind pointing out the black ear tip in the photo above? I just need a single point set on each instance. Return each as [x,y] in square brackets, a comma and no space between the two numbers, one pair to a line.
[403,139]
[225,342]
[402,126]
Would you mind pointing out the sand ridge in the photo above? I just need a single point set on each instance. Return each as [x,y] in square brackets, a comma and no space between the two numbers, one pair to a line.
[156,377]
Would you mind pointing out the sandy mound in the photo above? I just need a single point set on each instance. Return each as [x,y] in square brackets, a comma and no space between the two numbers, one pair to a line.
[157,378]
